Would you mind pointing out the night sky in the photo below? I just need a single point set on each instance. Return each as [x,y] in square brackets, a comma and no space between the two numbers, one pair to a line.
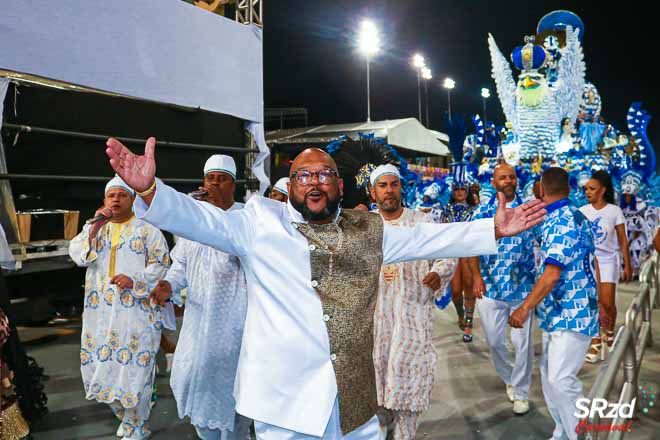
[310,58]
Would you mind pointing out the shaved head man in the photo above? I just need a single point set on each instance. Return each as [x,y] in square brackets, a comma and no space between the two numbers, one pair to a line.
[318,199]
[312,270]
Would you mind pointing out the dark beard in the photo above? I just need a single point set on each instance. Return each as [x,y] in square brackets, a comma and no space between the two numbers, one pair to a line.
[329,210]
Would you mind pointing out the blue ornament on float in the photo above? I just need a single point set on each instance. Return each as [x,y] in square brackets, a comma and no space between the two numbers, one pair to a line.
[558,20]
[530,57]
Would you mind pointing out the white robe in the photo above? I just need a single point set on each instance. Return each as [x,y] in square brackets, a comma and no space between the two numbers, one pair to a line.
[206,357]
[404,356]
[121,328]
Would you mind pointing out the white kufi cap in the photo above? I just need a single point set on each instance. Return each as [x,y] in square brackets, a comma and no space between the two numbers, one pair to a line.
[280,185]
[117,182]
[221,163]
[381,170]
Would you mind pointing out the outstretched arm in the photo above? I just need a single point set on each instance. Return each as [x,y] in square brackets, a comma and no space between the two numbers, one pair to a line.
[165,208]
[430,241]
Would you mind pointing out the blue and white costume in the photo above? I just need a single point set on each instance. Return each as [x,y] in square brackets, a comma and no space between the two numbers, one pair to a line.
[568,315]
[508,277]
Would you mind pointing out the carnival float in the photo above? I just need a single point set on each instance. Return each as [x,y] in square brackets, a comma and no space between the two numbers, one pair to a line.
[553,118]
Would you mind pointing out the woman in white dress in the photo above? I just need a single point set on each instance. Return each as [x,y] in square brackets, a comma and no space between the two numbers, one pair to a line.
[608,225]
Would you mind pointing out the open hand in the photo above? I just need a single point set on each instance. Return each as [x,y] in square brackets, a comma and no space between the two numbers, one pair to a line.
[122,281]
[512,221]
[137,171]
[161,293]
[432,280]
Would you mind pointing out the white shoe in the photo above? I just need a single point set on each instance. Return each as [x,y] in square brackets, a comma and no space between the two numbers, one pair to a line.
[520,407]
[170,358]
[120,430]
[510,392]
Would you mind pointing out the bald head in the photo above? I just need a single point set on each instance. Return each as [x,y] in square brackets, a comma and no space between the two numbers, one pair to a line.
[505,180]
[318,198]
[312,157]
[503,167]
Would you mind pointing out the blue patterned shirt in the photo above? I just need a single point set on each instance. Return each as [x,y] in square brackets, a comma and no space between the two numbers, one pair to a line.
[509,274]
[568,243]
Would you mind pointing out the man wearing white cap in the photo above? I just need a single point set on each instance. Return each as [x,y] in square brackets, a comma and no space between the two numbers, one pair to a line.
[280,192]
[203,373]
[124,257]
[404,356]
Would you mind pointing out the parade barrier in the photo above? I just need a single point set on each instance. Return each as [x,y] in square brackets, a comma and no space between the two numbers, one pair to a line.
[626,357]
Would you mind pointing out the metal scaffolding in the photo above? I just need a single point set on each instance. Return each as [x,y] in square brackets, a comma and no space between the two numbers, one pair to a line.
[250,12]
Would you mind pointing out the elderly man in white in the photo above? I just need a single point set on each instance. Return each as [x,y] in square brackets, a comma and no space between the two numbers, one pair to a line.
[306,366]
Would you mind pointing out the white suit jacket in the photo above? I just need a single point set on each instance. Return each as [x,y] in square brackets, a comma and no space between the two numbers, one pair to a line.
[285,375]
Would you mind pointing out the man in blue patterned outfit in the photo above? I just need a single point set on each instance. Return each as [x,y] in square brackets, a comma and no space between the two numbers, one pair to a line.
[567,300]
[502,281]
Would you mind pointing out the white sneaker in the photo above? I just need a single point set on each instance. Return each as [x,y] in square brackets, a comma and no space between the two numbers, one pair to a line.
[520,407]
[510,392]
[120,430]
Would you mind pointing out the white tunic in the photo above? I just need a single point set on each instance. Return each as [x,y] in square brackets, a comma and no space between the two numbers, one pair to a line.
[121,328]
[285,375]
[404,356]
[207,351]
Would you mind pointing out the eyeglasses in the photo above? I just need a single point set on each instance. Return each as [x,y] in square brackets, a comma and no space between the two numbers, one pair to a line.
[305,177]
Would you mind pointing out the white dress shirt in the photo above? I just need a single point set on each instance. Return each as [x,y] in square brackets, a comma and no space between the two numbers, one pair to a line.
[285,374]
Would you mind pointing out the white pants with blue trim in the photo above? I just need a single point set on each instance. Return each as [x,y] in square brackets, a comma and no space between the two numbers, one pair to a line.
[562,360]
[371,430]
[495,322]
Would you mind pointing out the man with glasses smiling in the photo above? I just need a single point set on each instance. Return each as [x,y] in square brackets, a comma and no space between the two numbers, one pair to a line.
[306,367]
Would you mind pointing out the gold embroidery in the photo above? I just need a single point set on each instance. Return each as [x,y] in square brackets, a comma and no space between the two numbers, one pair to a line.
[389,273]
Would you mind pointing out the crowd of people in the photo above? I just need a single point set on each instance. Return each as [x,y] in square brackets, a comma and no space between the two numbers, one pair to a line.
[304,319]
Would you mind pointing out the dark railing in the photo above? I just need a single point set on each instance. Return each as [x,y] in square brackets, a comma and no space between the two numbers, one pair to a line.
[627,354]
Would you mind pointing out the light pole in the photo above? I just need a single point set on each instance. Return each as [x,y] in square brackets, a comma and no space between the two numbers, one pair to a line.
[369,45]
[485,94]
[419,63]
[449,84]
[426,76]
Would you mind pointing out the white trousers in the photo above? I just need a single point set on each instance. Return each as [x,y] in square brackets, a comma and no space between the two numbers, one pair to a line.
[562,360]
[371,430]
[495,322]
[241,431]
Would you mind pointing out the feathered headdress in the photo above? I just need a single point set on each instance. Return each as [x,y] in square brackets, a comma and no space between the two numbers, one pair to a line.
[355,160]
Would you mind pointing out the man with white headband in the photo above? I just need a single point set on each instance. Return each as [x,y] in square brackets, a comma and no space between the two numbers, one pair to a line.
[203,374]
[124,257]
[280,191]
[404,356]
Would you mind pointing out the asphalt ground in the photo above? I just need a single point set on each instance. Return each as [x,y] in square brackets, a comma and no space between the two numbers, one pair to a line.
[468,399]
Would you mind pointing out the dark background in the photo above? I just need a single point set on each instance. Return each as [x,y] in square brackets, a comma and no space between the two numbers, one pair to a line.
[310,58]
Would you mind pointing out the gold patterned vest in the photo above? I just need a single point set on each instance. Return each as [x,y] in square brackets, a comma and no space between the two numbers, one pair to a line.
[346,258]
